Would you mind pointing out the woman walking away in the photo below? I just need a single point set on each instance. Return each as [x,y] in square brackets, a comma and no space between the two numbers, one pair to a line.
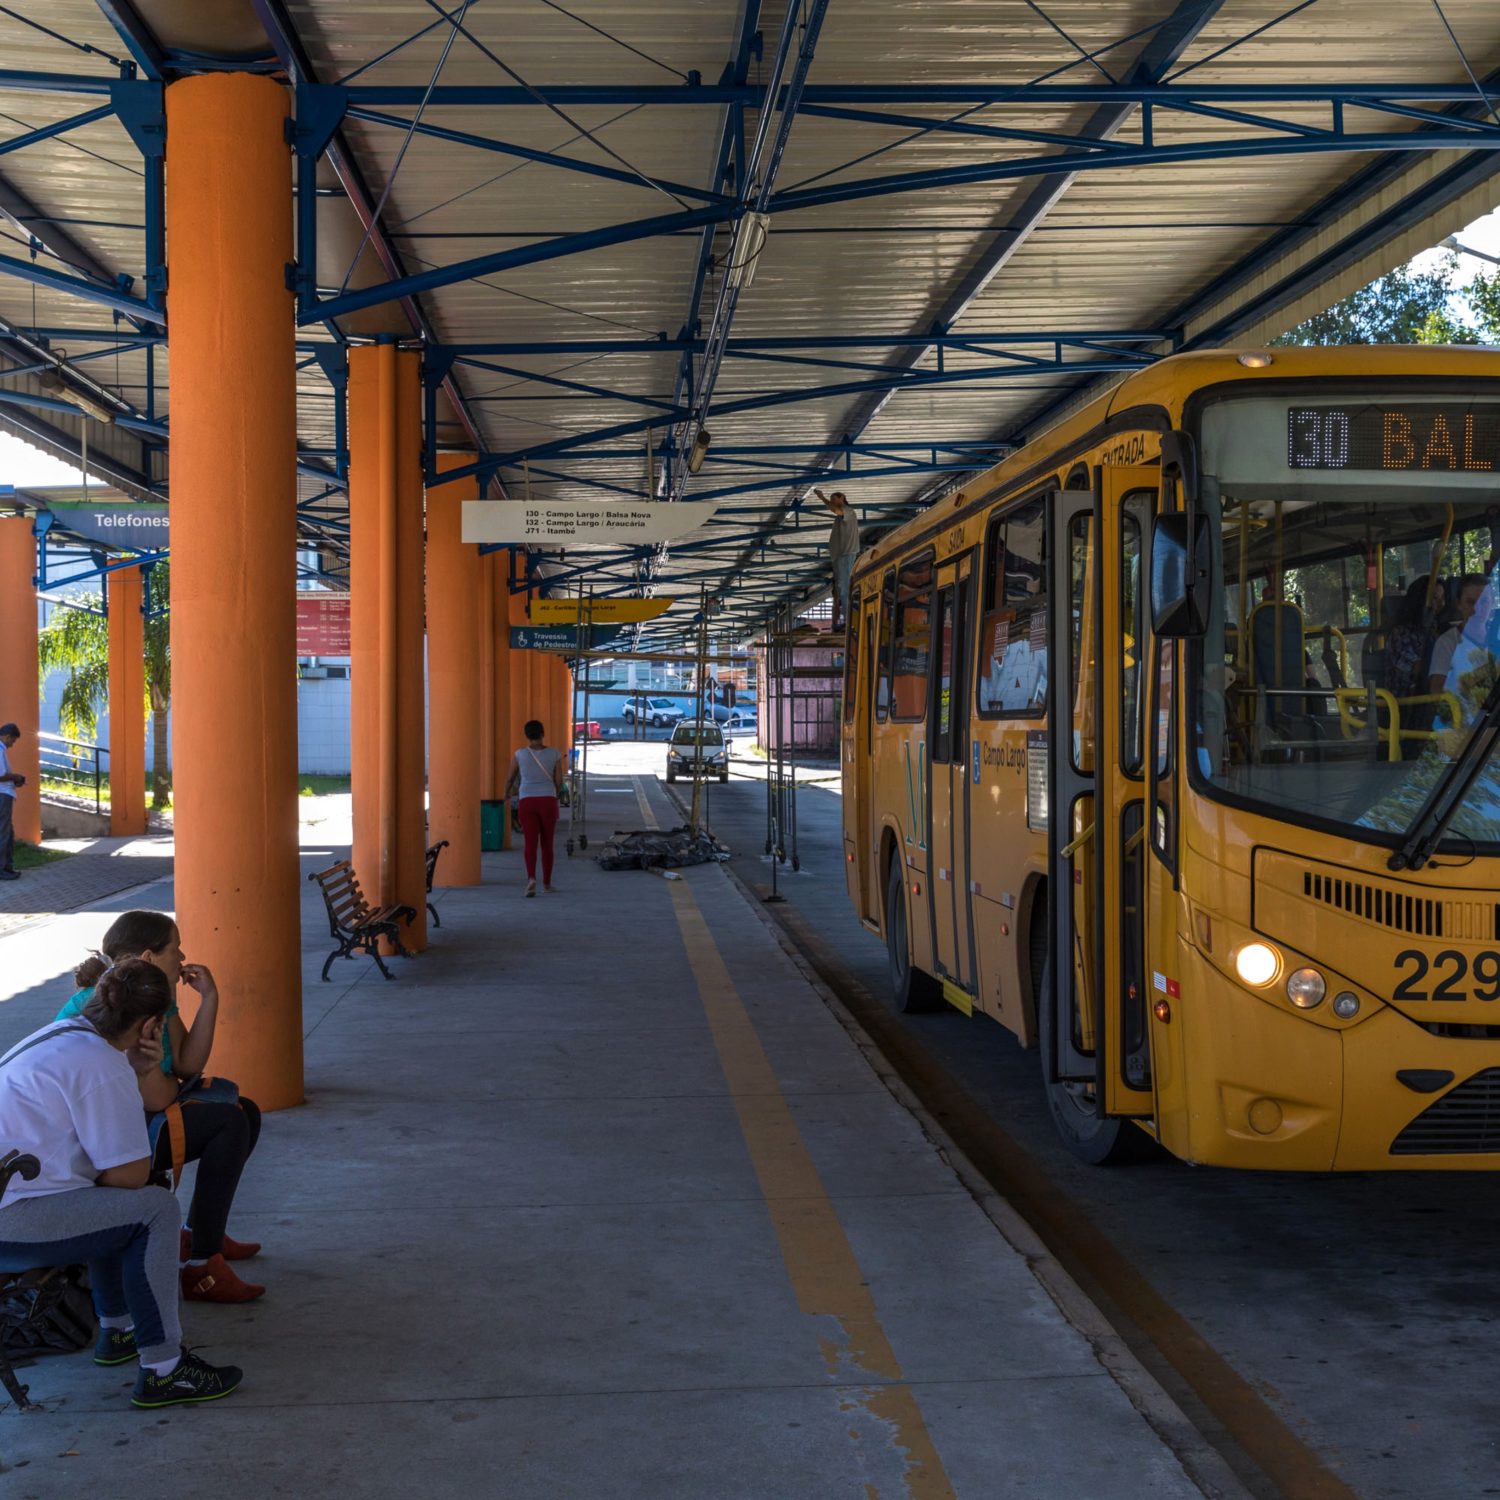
[538,772]
[69,1097]
[216,1126]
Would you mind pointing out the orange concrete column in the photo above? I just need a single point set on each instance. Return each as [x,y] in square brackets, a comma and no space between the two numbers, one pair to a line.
[502,730]
[453,707]
[386,630]
[20,692]
[127,703]
[234,499]
[485,633]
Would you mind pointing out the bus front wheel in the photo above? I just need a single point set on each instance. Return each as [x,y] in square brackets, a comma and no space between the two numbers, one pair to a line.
[911,989]
[1099,1142]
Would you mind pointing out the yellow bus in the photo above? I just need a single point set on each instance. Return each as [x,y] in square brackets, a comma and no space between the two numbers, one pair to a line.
[1167,744]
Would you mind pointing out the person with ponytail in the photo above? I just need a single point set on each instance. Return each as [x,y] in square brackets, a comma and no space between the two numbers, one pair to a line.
[213,1123]
[69,1096]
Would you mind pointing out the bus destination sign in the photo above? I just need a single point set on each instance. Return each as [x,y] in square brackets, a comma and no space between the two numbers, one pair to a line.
[1455,437]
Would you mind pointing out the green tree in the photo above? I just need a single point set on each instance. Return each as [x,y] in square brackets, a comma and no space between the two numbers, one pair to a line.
[75,641]
[1395,309]
[1483,296]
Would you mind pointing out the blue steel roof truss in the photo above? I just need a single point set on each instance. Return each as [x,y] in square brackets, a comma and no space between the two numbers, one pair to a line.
[1359,119]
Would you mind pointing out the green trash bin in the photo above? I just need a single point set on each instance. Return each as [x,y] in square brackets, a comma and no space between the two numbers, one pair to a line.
[491,825]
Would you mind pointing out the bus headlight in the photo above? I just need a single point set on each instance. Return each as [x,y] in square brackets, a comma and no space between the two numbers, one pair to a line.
[1257,964]
[1306,988]
[1346,1005]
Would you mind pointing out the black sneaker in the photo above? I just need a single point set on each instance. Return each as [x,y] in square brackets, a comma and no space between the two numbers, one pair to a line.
[116,1346]
[193,1380]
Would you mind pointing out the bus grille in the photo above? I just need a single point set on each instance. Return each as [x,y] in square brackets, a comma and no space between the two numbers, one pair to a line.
[1465,1121]
[1423,916]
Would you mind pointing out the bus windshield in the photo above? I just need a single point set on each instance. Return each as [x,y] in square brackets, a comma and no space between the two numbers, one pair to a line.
[1355,638]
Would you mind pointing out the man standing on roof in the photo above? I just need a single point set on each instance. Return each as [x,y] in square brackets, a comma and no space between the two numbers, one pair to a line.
[843,548]
[10,781]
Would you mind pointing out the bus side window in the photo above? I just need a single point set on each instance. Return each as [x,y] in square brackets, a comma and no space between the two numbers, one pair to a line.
[1164,797]
[851,656]
[913,639]
[1012,645]
[1135,519]
[883,652]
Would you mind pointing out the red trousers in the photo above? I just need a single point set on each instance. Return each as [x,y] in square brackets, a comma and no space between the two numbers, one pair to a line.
[538,823]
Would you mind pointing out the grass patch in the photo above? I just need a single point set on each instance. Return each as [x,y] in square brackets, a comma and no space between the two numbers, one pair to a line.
[322,786]
[84,789]
[31,857]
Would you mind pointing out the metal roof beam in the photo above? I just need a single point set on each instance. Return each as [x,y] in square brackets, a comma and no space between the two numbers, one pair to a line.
[753,97]
[1155,61]
[1172,38]
[137,36]
[681,344]
[288,47]
[527,153]
[404,287]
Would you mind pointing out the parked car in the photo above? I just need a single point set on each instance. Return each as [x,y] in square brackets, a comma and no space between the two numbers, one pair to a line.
[657,711]
[740,721]
[697,743]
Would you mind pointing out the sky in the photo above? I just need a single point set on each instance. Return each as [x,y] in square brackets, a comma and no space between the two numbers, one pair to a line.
[22,464]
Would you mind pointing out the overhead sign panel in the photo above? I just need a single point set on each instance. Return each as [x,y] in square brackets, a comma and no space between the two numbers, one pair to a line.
[559,637]
[599,612]
[134,528]
[561,523]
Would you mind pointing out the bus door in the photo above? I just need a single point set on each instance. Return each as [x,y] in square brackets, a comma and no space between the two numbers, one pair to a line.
[1125,500]
[1073,702]
[859,751]
[948,870]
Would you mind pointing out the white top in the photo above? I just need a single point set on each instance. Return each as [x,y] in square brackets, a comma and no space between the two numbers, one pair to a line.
[1442,651]
[7,788]
[843,539]
[73,1103]
[536,770]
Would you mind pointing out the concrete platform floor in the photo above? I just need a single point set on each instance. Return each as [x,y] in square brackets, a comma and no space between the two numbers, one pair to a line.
[596,1199]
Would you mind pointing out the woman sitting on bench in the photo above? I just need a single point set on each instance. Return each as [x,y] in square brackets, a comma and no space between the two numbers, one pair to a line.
[69,1097]
[218,1127]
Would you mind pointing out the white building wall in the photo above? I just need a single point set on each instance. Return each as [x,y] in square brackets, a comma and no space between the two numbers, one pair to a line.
[323,726]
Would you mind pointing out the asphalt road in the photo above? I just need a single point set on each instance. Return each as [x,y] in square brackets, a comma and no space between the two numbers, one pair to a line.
[1333,1335]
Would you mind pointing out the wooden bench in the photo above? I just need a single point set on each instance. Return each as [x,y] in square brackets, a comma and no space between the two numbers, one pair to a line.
[13,1164]
[353,922]
[432,859]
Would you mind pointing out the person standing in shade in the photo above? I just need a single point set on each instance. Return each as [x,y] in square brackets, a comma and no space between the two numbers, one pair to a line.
[10,782]
[843,548]
[536,770]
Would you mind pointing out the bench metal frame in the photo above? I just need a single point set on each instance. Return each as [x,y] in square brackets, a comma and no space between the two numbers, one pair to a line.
[353,923]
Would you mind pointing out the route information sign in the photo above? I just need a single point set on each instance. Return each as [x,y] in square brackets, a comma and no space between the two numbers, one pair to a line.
[561,523]
[601,612]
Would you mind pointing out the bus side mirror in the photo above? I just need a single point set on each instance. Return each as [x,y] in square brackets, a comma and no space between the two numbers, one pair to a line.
[1180,581]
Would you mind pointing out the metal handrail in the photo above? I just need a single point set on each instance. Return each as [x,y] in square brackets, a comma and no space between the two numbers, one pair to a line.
[76,763]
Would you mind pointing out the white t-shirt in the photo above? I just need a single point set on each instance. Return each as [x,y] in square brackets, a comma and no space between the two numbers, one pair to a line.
[73,1103]
[7,788]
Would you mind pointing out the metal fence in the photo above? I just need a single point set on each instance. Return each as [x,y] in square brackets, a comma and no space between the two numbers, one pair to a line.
[75,767]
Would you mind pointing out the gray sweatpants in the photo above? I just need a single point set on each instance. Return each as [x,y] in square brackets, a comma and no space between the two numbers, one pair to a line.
[128,1239]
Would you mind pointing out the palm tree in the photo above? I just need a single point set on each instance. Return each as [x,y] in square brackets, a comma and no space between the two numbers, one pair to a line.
[76,641]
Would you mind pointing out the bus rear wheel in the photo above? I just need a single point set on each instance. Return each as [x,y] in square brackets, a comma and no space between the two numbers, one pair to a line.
[1099,1142]
[911,989]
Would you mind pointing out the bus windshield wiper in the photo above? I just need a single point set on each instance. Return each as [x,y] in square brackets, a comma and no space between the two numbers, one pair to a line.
[1450,789]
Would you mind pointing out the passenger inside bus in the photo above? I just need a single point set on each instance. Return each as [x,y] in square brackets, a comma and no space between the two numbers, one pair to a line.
[1324,687]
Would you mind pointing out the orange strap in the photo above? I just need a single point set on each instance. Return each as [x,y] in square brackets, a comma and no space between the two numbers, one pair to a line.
[177,1135]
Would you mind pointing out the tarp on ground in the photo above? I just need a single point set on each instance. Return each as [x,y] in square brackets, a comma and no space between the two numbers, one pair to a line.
[658,849]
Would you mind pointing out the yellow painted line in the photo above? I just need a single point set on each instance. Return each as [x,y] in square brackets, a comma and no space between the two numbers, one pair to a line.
[820,1263]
